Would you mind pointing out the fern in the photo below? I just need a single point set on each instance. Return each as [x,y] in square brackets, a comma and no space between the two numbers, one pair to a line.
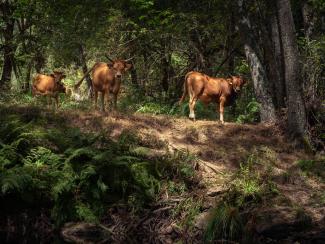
[14,180]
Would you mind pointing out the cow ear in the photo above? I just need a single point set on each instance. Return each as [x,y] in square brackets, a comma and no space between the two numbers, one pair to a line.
[230,81]
[110,65]
[128,66]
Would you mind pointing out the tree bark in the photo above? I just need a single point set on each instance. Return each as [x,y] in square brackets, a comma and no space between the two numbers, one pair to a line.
[26,85]
[134,76]
[8,51]
[309,19]
[84,65]
[279,81]
[297,121]
[260,81]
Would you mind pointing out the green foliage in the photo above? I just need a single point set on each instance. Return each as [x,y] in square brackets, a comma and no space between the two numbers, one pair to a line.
[246,191]
[313,167]
[154,108]
[226,224]
[187,209]
[251,113]
[79,175]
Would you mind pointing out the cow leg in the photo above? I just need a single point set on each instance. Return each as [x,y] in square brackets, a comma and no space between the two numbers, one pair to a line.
[107,100]
[103,101]
[192,106]
[57,102]
[95,98]
[221,109]
[115,100]
[48,101]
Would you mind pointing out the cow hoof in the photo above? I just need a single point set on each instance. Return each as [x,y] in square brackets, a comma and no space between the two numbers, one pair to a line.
[192,116]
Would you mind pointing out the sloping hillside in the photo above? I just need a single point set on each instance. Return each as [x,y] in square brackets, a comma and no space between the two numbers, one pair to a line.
[250,175]
[221,151]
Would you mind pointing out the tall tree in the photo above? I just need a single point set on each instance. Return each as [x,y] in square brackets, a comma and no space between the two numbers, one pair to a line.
[7,10]
[258,73]
[297,121]
[279,81]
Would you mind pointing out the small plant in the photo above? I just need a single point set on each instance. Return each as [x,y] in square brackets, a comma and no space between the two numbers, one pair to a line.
[313,167]
[186,211]
[226,223]
[251,114]
[246,191]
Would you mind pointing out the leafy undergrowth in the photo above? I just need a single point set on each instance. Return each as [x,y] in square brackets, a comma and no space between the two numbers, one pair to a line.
[156,179]
[55,174]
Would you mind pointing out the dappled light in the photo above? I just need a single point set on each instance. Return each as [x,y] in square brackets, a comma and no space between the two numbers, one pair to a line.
[150,121]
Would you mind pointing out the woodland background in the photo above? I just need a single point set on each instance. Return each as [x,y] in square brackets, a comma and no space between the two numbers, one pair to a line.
[277,46]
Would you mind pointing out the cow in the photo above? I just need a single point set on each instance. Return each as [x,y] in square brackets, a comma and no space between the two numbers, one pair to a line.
[209,89]
[106,79]
[49,85]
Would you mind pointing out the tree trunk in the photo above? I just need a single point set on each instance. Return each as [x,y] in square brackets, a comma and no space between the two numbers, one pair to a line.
[8,51]
[230,45]
[39,61]
[311,71]
[165,78]
[134,76]
[260,81]
[26,85]
[279,81]
[84,66]
[297,122]
[309,19]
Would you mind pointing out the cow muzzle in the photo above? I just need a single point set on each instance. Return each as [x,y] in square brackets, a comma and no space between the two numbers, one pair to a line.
[237,89]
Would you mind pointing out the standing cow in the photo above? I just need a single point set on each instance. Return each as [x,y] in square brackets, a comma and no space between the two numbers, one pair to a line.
[209,89]
[106,79]
[49,85]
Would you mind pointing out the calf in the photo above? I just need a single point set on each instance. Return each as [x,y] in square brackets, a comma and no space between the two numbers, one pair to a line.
[49,85]
[209,89]
[106,79]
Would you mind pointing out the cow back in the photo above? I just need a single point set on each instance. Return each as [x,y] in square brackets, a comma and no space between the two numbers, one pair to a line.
[44,83]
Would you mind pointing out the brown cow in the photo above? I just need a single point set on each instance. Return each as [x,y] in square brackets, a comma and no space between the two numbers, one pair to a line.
[49,85]
[209,89]
[106,78]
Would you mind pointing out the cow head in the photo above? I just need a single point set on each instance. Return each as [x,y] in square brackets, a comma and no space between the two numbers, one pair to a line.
[119,67]
[237,83]
[58,76]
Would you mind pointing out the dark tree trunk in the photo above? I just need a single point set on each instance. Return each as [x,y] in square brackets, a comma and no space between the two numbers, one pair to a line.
[39,61]
[260,81]
[311,74]
[230,44]
[197,57]
[297,122]
[134,76]
[279,81]
[309,19]
[167,68]
[8,50]
[26,85]
[165,78]
[84,66]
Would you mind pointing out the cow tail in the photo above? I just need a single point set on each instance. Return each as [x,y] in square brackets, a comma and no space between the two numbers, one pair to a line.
[76,86]
[185,91]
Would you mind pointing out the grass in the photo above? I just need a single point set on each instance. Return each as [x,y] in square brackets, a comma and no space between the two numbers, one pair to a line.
[248,189]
